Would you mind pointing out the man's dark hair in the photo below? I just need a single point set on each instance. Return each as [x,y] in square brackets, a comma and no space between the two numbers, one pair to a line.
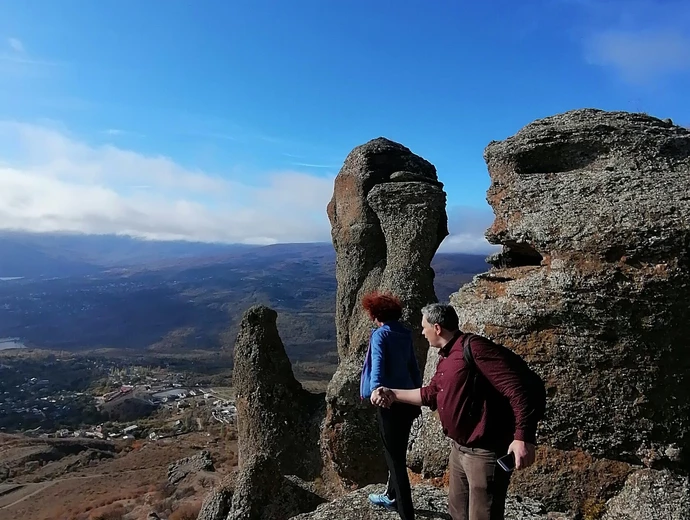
[441,314]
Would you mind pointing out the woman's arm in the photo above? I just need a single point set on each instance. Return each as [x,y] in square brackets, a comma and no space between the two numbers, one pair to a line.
[377,359]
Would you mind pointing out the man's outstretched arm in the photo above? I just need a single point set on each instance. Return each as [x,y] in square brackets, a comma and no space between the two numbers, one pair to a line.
[383,396]
[413,396]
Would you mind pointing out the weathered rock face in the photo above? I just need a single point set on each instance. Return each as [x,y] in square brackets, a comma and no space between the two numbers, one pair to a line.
[602,198]
[651,495]
[275,415]
[593,285]
[216,505]
[572,480]
[262,492]
[388,218]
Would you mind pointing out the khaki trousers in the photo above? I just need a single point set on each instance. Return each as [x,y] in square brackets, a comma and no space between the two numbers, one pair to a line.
[478,486]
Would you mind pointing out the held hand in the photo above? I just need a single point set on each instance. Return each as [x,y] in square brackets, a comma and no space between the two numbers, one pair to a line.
[524,453]
[383,397]
[377,397]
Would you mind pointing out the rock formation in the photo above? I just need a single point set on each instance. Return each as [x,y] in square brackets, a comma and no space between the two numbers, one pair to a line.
[216,506]
[592,288]
[275,415]
[278,425]
[651,495]
[388,218]
[178,470]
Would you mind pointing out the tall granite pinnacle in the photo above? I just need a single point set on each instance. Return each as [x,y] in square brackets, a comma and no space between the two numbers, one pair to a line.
[388,217]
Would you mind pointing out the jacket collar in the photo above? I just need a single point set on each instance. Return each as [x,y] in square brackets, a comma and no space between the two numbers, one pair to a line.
[445,350]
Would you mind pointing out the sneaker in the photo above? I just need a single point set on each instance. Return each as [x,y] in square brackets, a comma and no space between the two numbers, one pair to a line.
[383,501]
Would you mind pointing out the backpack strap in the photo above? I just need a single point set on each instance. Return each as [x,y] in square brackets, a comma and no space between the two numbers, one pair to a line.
[467,351]
[476,403]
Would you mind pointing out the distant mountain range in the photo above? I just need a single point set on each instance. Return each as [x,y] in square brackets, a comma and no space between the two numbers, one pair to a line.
[86,292]
[58,254]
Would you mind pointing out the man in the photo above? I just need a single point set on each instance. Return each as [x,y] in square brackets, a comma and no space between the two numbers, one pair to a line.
[504,423]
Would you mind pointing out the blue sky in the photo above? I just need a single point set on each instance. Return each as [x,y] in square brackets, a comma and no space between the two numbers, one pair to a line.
[228,120]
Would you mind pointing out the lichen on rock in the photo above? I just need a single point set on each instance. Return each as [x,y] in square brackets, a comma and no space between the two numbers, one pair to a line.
[651,495]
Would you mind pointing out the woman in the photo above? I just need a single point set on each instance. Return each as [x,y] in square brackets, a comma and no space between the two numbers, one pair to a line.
[391,362]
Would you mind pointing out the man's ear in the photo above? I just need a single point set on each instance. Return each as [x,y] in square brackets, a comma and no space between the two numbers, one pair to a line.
[437,329]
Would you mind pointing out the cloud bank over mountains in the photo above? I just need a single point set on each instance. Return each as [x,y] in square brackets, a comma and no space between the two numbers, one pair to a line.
[51,181]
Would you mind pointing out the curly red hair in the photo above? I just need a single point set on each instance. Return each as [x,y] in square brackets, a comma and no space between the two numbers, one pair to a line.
[382,307]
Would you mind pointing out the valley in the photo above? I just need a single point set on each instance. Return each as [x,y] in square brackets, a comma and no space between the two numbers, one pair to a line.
[116,363]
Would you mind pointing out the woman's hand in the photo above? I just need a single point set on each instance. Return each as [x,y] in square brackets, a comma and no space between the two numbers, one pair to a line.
[383,397]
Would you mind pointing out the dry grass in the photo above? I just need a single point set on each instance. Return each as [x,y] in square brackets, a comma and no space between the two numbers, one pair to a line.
[187,511]
[132,484]
[115,512]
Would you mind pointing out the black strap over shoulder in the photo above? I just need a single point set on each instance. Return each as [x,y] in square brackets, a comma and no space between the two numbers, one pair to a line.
[476,402]
[467,351]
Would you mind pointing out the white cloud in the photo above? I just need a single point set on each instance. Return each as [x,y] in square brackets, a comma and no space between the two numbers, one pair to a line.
[16,44]
[52,182]
[466,226]
[117,132]
[312,165]
[640,56]
[642,41]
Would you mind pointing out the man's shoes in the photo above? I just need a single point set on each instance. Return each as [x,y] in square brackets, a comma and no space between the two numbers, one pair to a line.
[383,501]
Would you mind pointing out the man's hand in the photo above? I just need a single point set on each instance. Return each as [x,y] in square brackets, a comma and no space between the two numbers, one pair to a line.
[523,452]
[383,397]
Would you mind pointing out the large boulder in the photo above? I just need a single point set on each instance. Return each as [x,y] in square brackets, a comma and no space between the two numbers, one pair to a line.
[592,286]
[388,218]
[595,205]
[651,495]
[178,470]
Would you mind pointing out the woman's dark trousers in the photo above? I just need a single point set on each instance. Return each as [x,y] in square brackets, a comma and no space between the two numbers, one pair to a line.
[395,424]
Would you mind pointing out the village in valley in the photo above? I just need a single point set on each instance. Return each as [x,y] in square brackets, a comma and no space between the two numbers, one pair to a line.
[101,431]
[52,397]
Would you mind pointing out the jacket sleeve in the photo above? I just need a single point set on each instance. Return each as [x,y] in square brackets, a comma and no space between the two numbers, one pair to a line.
[428,393]
[505,378]
[377,359]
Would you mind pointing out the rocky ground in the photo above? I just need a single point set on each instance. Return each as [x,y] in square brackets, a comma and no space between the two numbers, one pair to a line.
[430,503]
